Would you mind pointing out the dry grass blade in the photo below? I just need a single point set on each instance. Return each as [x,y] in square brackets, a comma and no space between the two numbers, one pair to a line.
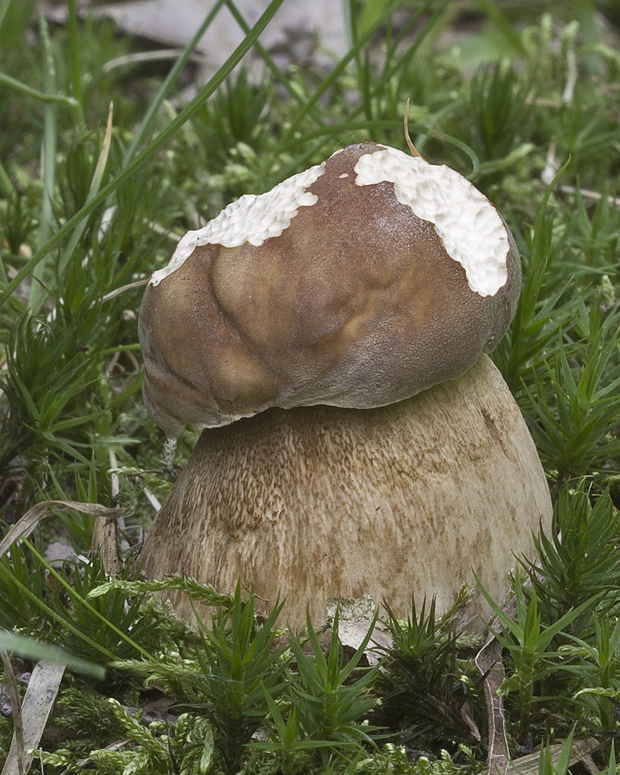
[410,145]
[16,707]
[36,708]
[31,518]
[580,753]
[491,668]
[490,665]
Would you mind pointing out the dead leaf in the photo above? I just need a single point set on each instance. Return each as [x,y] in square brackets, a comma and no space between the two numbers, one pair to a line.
[31,518]
[35,710]
[529,765]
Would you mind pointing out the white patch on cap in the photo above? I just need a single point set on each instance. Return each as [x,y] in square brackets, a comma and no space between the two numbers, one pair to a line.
[252,218]
[466,222]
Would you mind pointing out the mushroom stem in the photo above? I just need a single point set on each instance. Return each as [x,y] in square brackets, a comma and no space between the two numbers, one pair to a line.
[321,502]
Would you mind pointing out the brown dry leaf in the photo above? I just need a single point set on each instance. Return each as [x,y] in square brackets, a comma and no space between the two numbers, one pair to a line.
[36,708]
[31,518]
[528,765]
[583,750]
[469,721]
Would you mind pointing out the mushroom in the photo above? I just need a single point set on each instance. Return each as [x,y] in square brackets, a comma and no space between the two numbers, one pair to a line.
[330,336]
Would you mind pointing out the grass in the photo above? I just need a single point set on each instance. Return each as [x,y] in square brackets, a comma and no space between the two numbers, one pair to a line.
[527,105]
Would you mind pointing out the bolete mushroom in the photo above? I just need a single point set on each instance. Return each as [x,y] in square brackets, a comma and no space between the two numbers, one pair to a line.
[337,327]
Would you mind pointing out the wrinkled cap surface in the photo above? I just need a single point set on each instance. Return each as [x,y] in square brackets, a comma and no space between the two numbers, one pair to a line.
[357,283]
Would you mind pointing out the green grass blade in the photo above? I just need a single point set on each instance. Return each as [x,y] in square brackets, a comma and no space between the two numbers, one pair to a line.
[31,648]
[148,153]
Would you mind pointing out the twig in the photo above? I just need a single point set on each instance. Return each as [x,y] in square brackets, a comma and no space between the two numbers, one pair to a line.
[593,196]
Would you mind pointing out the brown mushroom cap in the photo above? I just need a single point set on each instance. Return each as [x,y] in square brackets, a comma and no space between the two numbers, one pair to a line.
[357,283]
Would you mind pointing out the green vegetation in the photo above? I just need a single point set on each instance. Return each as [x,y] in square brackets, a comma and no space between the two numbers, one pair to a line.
[523,99]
